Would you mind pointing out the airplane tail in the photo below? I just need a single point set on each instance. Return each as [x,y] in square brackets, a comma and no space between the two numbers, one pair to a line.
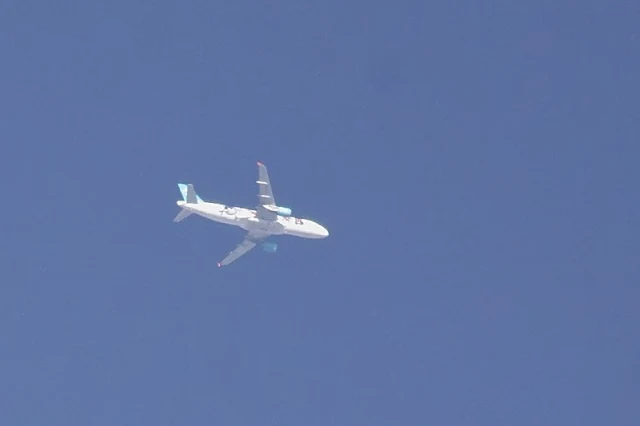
[190,197]
[189,193]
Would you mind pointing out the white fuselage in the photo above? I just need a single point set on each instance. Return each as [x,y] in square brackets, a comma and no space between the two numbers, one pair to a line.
[247,220]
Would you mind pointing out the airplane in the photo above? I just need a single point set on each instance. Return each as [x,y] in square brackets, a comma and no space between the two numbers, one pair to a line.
[266,220]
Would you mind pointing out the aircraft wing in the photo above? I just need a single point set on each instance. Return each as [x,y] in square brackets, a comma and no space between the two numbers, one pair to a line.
[265,194]
[249,242]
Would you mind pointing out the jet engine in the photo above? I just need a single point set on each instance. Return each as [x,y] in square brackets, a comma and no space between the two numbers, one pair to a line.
[284,211]
[270,247]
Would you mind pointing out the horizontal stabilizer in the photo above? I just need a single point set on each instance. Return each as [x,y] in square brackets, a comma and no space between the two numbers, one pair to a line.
[182,215]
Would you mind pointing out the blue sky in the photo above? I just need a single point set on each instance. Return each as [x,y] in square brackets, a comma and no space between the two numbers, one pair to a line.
[476,165]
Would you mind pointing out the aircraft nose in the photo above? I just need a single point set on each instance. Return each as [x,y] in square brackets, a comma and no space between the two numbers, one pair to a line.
[324,231]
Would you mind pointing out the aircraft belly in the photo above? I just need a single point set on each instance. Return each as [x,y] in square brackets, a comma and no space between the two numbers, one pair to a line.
[297,233]
[299,230]
[221,218]
[254,224]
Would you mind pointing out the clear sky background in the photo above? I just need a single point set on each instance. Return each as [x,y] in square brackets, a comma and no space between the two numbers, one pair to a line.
[475,162]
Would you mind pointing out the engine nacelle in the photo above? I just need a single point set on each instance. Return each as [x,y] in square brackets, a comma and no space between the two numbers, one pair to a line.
[284,211]
[270,247]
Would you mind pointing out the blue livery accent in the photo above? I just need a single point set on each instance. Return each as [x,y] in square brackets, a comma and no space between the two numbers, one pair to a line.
[183,192]
[284,211]
[270,247]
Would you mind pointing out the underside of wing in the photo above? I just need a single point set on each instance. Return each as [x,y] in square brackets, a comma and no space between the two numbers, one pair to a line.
[265,194]
[249,242]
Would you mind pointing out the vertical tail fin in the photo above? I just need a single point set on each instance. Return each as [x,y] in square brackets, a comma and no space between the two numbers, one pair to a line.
[189,193]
